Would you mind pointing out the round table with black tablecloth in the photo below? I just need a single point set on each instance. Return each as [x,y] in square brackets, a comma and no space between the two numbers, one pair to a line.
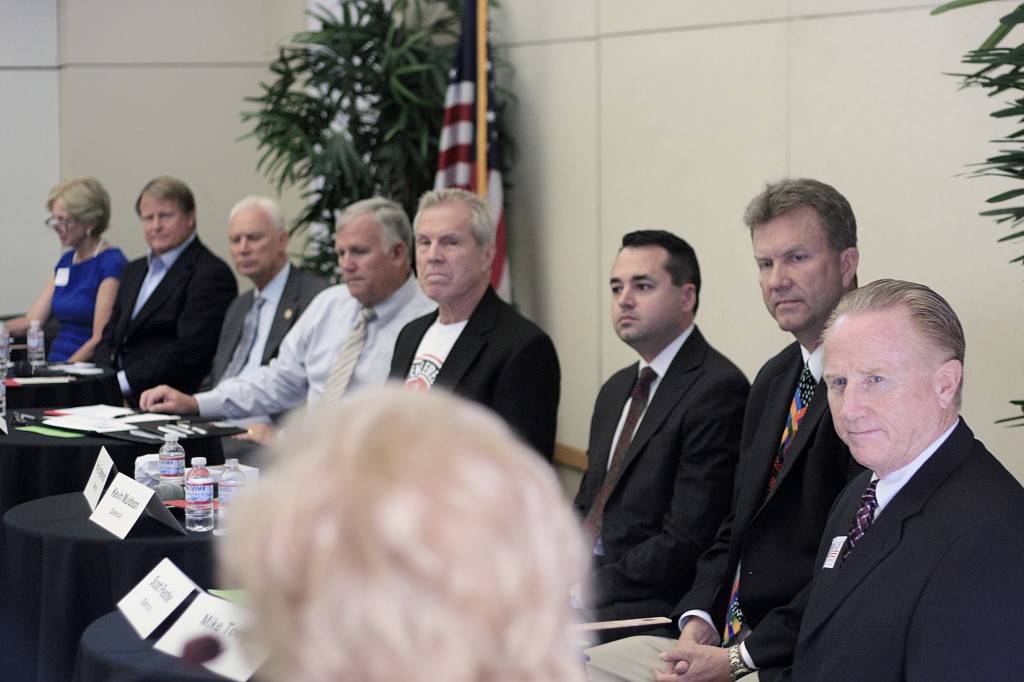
[111,650]
[59,572]
[91,389]
[33,465]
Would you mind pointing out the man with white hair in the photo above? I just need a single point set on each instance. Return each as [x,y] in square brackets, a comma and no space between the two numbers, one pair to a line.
[257,321]
[344,340]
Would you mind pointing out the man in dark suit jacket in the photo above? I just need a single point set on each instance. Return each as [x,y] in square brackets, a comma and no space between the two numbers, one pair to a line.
[475,344]
[918,573]
[804,237]
[169,309]
[258,240]
[652,499]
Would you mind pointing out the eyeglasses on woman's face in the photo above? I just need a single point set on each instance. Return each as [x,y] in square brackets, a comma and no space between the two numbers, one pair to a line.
[54,223]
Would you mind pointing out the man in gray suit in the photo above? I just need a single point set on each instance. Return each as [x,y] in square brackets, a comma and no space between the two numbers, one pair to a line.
[259,242]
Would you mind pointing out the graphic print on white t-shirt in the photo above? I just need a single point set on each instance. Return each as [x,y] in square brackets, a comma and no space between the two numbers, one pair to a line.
[431,354]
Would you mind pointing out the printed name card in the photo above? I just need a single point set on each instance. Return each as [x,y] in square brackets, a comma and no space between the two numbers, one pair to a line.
[125,501]
[98,478]
[152,600]
[224,621]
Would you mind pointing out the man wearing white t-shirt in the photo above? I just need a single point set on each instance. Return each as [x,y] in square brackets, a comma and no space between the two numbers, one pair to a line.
[475,344]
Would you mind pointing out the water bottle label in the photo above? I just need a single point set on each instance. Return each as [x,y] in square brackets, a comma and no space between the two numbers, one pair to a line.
[200,490]
[227,493]
[172,466]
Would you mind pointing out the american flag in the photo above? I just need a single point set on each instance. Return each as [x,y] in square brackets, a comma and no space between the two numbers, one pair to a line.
[458,163]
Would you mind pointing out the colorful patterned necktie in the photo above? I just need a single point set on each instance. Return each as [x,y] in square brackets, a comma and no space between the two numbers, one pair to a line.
[348,356]
[862,521]
[638,403]
[797,409]
[244,346]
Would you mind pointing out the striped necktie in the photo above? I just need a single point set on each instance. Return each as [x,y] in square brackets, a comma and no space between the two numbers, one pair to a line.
[861,522]
[348,356]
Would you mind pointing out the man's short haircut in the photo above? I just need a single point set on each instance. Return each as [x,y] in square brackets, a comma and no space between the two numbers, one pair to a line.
[482,226]
[390,217]
[929,312]
[83,198]
[270,207]
[402,528]
[788,195]
[166,188]
[682,263]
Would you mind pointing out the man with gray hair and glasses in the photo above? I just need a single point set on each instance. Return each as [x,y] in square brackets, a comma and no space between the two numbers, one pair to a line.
[345,338]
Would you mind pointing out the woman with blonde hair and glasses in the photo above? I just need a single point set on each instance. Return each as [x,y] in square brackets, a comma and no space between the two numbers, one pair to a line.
[83,285]
[408,534]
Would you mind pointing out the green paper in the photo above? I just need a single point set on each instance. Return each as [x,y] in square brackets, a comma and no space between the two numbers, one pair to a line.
[240,597]
[50,431]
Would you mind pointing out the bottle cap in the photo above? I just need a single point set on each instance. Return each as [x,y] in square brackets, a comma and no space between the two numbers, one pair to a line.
[198,461]
[231,462]
[170,438]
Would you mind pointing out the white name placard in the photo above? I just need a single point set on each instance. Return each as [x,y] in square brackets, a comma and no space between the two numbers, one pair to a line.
[98,478]
[122,505]
[226,622]
[152,600]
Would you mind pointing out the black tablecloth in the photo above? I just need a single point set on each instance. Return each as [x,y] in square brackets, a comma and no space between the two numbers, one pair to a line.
[34,466]
[111,650]
[60,572]
[93,389]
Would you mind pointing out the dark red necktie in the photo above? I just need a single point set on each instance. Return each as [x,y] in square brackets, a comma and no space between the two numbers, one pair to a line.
[862,521]
[638,403]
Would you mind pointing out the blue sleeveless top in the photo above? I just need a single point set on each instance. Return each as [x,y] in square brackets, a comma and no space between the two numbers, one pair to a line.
[74,304]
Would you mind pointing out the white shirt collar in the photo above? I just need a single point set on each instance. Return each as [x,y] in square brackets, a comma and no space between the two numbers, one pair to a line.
[664,359]
[169,258]
[890,485]
[816,358]
[275,287]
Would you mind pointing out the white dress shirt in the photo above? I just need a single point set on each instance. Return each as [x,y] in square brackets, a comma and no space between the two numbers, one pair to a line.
[300,370]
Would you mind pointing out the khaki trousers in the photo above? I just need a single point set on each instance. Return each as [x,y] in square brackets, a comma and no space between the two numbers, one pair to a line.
[632,659]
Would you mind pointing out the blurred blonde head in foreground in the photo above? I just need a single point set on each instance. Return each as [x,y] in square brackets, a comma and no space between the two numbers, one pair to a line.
[409,534]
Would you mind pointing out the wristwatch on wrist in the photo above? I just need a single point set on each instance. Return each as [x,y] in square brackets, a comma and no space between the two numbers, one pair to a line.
[736,665]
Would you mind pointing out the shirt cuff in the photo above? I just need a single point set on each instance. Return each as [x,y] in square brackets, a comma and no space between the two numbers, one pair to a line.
[208,402]
[706,617]
[122,379]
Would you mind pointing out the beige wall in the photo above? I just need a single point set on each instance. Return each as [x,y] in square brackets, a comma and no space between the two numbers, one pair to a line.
[672,114]
[653,114]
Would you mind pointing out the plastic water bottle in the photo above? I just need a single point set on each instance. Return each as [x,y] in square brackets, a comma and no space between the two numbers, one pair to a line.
[3,390]
[36,345]
[230,482]
[4,359]
[5,346]
[172,460]
[199,497]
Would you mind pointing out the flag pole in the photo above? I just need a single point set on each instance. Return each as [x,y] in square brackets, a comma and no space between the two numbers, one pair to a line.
[482,168]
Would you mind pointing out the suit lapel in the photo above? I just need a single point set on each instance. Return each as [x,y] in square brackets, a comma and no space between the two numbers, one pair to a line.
[283,316]
[776,405]
[236,324]
[833,586]
[677,380]
[172,280]
[471,342]
[130,287]
[804,434]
